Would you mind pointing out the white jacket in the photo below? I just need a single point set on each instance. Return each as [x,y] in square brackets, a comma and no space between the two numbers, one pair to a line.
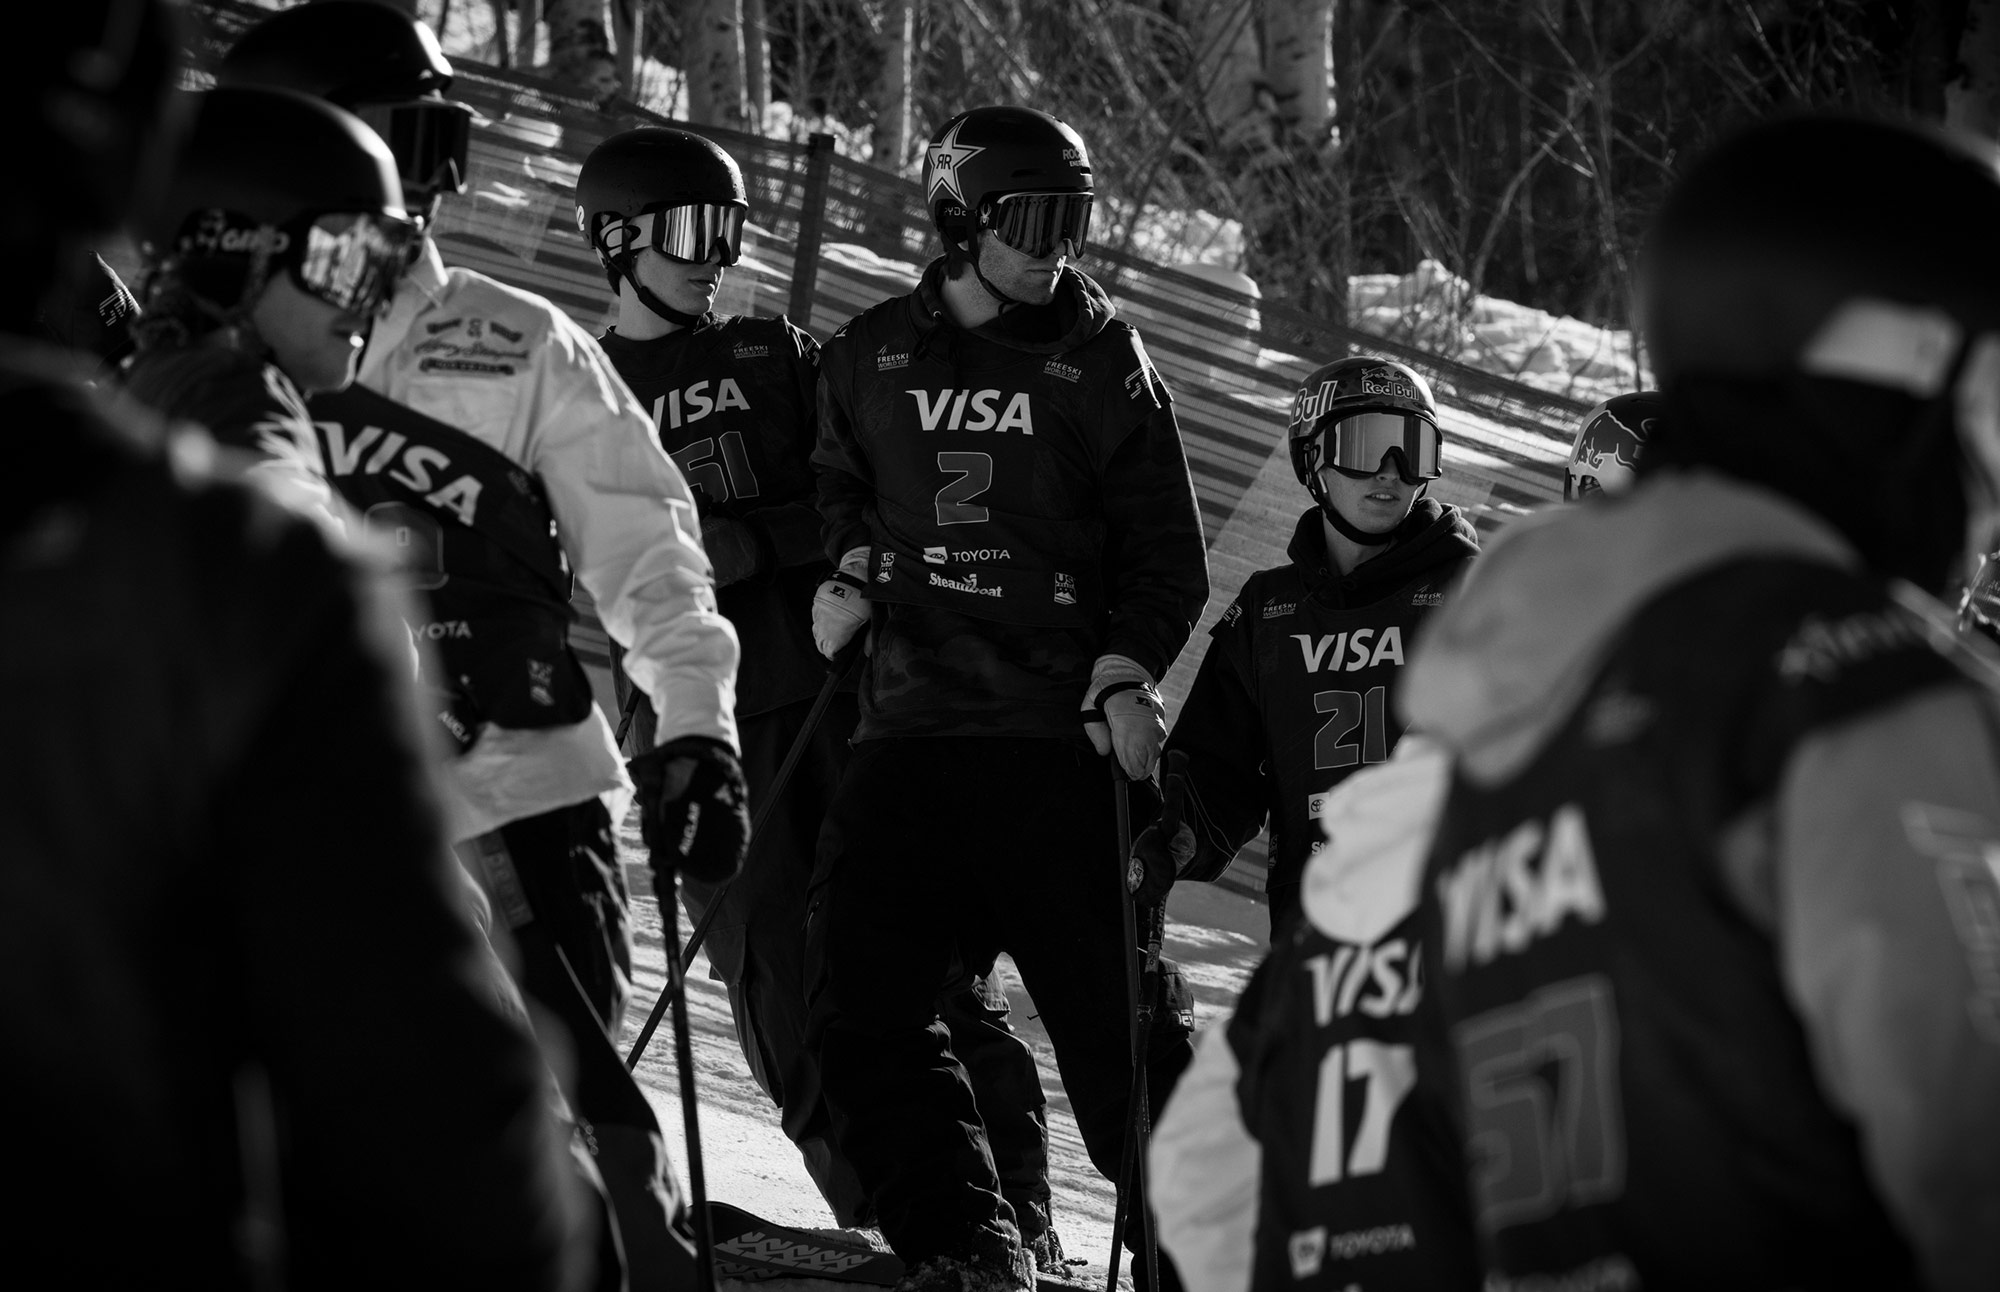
[512,369]
[1204,1164]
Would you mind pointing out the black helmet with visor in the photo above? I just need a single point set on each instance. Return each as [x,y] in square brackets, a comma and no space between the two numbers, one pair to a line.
[271,181]
[1020,174]
[673,191]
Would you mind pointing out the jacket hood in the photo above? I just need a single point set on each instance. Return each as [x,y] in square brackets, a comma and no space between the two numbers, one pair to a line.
[1079,312]
[1379,823]
[1432,536]
[1499,667]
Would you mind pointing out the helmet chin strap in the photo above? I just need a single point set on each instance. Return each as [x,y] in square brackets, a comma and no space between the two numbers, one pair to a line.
[625,266]
[1005,300]
[1350,530]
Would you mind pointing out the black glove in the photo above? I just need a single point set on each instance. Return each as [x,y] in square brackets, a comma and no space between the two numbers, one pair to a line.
[694,809]
[1166,845]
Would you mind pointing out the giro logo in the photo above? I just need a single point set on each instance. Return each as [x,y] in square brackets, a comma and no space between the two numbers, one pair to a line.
[973,410]
[214,235]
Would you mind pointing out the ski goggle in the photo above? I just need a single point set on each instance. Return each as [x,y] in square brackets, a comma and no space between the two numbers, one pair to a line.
[430,138]
[690,233]
[1356,444]
[1036,224]
[351,260]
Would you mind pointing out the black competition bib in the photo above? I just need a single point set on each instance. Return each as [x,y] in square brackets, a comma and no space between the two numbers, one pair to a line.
[474,533]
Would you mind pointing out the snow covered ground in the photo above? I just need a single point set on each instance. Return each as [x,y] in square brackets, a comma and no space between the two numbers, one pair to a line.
[1218,936]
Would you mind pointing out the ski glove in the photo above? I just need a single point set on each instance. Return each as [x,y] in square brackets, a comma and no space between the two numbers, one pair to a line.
[733,549]
[1164,848]
[1122,711]
[838,608]
[693,808]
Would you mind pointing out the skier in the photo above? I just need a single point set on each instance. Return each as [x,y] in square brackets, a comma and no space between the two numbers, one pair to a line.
[490,436]
[733,402]
[1703,913]
[1010,516]
[281,236]
[1296,1150]
[1295,691]
[236,973]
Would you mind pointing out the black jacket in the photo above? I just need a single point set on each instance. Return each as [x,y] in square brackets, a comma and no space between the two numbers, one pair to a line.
[225,901]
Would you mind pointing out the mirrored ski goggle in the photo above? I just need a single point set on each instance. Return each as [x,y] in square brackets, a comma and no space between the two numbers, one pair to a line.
[1036,224]
[350,260]
[1357,443]
[691,233]
[430,138]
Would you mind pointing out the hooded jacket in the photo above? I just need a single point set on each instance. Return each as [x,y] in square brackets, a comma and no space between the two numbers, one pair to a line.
[1023,492]
[1716,869]
[1296,690]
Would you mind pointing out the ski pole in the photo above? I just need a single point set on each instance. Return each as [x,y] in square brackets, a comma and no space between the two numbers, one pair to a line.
[836,670]
[704,1229]
[1122,811]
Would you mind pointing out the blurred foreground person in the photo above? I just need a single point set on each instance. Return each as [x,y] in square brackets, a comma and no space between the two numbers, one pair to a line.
[233,970]
[1710,914]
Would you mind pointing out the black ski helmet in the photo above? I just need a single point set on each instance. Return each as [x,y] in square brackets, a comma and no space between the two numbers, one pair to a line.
[653,168]
[377,62]
[986,153]
[1609,443]
[658,169]
[269,180]
[1813,289]
[85,90]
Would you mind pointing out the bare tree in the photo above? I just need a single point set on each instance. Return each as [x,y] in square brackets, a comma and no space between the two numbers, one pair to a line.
[712,44]
[893,103]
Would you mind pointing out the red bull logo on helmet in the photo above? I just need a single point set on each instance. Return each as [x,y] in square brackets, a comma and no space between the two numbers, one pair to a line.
[1608,448]
[1310,404]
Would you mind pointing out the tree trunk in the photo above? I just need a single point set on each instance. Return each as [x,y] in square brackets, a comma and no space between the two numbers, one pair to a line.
[1972,99]
[714,52]
[1299,66]
[530,18]
[756,62]
[580,49]
[628,33]
[893,91]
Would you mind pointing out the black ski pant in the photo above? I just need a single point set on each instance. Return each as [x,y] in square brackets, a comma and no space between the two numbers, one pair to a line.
[936,848]
[553,879]
[756,949]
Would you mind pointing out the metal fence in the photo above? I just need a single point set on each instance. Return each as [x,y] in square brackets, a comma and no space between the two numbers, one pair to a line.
[830,237]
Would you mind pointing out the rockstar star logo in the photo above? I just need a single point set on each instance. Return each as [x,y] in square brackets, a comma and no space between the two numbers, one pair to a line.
[943,162]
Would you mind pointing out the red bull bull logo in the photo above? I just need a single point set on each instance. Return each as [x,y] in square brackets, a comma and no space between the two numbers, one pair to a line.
[1607,450]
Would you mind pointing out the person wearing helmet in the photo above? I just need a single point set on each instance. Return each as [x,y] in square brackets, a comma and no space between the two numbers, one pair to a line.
[1008,508]
[1374,1187]
[1605,457]
[489,435]
[261,278]
[1705,918]
[1296,690]
[238,967]
[733,401]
